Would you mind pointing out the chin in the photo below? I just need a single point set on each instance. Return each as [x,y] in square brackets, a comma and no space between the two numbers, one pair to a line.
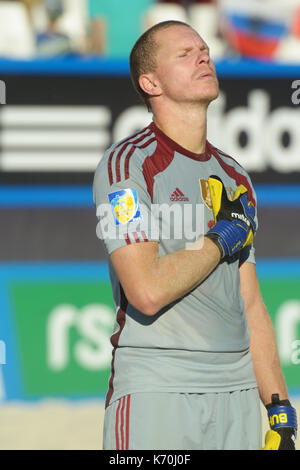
[207,93]
[207,99]
[210,95]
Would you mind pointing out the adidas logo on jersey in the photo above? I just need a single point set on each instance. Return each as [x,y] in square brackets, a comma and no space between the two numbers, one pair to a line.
[178,195]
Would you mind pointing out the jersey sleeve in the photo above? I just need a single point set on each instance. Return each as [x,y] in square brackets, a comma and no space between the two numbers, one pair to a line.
[123,208]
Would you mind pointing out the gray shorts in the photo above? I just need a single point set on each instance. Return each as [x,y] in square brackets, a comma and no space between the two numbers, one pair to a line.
[184,421]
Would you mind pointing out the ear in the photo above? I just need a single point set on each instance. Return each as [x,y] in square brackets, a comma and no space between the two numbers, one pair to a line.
[149,84]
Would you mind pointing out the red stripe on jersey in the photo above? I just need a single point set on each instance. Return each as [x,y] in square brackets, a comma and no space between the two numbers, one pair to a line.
[225,155]
[128,156]
[136,237]
[156,163]
[122,150]
[126,236]
[233,173]
[110,175]
[121,317]
[127,422]
[109,163]
[117,426]
[126,164]
[118,157]
[145,144]
[144,236]
[122,423]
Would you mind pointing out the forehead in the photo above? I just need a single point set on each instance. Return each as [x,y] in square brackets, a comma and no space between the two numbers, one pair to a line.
[176,37]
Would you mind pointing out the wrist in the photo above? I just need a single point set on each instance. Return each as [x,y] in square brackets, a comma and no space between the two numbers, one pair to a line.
[211,241]
[215,239]
[275,400]
[281,414]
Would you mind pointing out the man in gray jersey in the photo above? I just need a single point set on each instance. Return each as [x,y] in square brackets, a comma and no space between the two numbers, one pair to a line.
[184,372]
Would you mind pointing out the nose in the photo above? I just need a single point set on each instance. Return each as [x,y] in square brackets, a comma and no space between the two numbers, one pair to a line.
[203,57]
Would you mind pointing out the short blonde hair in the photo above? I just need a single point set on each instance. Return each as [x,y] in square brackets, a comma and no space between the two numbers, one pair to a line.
[143,56]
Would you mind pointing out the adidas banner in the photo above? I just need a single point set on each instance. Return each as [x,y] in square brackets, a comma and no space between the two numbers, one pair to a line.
[55,128]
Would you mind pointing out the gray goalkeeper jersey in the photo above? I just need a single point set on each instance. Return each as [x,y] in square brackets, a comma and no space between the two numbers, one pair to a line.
[148,188]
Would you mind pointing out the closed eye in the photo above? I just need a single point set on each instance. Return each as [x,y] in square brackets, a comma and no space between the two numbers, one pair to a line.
[184,52]
[187,50]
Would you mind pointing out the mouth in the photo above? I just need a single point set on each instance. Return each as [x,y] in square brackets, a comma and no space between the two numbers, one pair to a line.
[205,75]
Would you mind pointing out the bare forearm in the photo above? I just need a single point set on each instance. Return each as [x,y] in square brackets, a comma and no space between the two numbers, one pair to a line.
[156,281]
[265,356]
[179,272]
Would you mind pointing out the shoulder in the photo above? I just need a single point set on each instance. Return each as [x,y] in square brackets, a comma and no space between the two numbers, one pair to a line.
[120,157]
[234,170]
[229,164]
[227,159]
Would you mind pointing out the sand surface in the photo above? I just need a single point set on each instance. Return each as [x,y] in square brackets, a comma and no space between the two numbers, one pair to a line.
[61,425]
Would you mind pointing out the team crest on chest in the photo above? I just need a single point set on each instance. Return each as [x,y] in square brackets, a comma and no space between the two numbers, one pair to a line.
[230,193]
[205,193]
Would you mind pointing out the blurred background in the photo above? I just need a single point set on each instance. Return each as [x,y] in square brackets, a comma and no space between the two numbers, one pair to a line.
[65,96]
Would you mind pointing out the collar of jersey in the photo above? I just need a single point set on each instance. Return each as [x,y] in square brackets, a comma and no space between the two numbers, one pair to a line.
[176,147]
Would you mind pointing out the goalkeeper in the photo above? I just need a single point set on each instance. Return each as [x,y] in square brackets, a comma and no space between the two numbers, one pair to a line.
[194,351]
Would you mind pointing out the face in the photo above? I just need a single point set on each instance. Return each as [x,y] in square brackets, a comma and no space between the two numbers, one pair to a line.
[185,72]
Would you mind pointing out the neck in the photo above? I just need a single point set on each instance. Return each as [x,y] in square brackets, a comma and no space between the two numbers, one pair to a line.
[187,127]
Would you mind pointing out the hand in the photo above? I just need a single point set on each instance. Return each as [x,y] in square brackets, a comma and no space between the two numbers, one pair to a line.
[283,424]
[234,220]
